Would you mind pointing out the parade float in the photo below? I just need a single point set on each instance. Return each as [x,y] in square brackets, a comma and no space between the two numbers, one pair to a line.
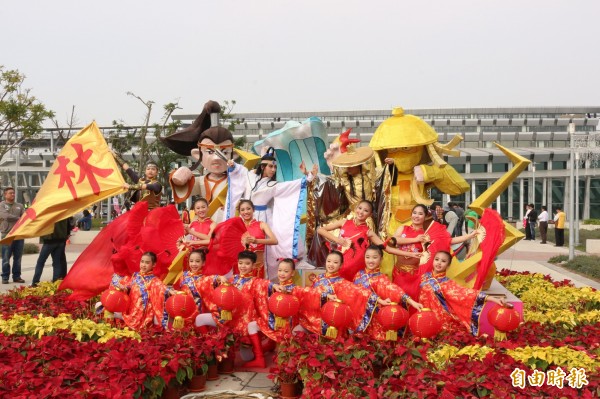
[54,347]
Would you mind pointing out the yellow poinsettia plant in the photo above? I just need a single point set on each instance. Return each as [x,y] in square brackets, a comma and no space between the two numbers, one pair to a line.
[563,356]
[546,303]
[83,329]
[44,288]
[441,356]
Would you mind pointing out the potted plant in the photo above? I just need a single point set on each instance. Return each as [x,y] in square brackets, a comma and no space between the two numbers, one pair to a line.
[285,370]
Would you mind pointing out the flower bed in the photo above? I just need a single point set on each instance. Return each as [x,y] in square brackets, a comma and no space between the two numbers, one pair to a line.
[50,347]
[73,354]
[555,353]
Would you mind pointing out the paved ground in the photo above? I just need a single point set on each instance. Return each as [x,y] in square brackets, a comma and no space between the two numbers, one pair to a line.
[524,256]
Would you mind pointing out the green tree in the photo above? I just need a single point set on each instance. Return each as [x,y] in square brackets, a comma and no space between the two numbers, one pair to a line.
[21,113]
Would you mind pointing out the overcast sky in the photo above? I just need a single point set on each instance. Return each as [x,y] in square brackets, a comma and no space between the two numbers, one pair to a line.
[301,55]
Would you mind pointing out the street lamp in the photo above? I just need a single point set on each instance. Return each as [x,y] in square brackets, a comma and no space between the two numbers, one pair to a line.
[571,213]
[577,198]
[533,184]
[17,170]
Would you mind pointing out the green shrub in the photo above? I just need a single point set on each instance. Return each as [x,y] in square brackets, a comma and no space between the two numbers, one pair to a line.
[592,221]
[30,248]
[585,264]
[558,259]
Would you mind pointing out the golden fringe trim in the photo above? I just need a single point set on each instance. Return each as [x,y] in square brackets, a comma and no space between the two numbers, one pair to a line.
[280,322]
[391,335]
[226,315]
[178,322]
[332,332]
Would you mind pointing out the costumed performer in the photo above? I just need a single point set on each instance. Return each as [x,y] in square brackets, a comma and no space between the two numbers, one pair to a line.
[258,235]
[193,282]
[453,304]
[265,319]
[411,238]
[372,279]
[352,239]
[260,185]
[147,295]
[243,317]
[199,231]
[147,188]
[332,286]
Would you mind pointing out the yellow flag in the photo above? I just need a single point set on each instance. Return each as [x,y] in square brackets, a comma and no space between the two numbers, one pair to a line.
[84,172]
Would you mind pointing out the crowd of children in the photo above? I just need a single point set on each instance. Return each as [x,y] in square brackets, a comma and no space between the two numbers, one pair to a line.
[352,276]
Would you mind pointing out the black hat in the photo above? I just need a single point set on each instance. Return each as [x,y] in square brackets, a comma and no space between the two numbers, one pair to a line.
[185,140]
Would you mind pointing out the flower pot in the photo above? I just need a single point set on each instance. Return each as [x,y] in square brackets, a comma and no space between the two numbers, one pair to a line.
[225,366]
[171,392]
[197,383]
[291,390]
[212,373]
[377,369]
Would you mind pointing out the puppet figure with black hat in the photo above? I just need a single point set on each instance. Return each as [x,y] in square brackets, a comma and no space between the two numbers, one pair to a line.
[210,146]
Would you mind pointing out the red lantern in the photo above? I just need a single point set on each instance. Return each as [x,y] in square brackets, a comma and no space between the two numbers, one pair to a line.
[283,306]
[338,315]
[114,300]
[226,297]
[180,306]
[424,324]
[503,320]
[391,319]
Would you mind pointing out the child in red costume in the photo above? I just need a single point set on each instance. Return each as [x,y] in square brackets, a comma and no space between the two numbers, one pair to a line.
[193,282]
[244,315]
[258,235]
[147,294]
[372,279]
[353,238]
[266,319]
[453,304]
[332,286]
[199,231]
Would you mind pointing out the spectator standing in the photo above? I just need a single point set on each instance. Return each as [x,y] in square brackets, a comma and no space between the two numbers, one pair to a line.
[54,245]
[559,223]
[10,213]
[532,221]
[543,219]
[451,220]
[458,230]
[526,223]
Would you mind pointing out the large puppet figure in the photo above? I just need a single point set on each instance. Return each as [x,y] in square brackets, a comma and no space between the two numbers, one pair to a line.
[410,148]
[212,147]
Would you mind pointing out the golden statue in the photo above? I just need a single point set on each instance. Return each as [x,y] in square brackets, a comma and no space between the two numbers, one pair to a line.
[410,147]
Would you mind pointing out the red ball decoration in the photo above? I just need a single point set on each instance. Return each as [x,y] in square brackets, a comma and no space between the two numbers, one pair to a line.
[114,300]
[503,320]
[425,324]
[226,297]
[338,315]
[283,306]
[391,319]
[180,307]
